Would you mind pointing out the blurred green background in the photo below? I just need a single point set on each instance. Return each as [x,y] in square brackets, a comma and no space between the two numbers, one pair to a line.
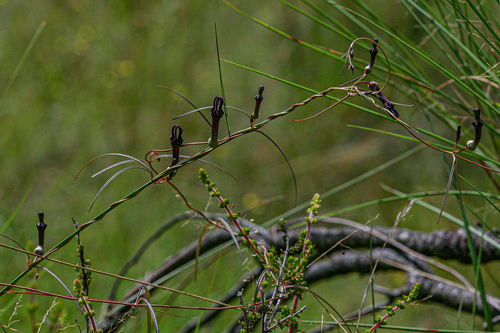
[87,86]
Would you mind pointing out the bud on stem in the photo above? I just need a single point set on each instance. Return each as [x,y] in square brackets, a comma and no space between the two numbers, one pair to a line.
[41,234]
[176,141]
[217,114]
[373,56]
[478,124]
[258,100]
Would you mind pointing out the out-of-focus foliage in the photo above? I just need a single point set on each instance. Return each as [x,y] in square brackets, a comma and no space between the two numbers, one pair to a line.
[87,87]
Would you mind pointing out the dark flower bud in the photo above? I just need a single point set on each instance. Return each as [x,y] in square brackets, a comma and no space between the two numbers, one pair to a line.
[176,139]
[217,114]
[373,56]
[258,100]
[217,111]
[458,134]
[478,124]
[381,96]
[41,234]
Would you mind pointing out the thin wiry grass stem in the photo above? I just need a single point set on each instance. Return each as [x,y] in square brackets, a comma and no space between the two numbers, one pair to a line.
[40,258]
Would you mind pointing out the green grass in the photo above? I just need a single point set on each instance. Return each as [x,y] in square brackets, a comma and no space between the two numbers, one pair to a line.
[78,79]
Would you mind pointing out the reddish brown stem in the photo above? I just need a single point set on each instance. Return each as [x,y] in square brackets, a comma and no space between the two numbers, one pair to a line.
[306,254]
[245,236]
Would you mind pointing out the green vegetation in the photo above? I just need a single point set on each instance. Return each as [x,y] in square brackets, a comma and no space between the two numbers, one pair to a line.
[79,80]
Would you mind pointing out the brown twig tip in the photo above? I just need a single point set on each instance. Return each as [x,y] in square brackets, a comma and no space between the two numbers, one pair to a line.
[349,55]
[373,56]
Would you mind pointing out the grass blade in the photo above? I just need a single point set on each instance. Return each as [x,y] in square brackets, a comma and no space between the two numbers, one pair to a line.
[14,213]
[110,180]
[287,162]
[221,83]
[25,55]
[452,171]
